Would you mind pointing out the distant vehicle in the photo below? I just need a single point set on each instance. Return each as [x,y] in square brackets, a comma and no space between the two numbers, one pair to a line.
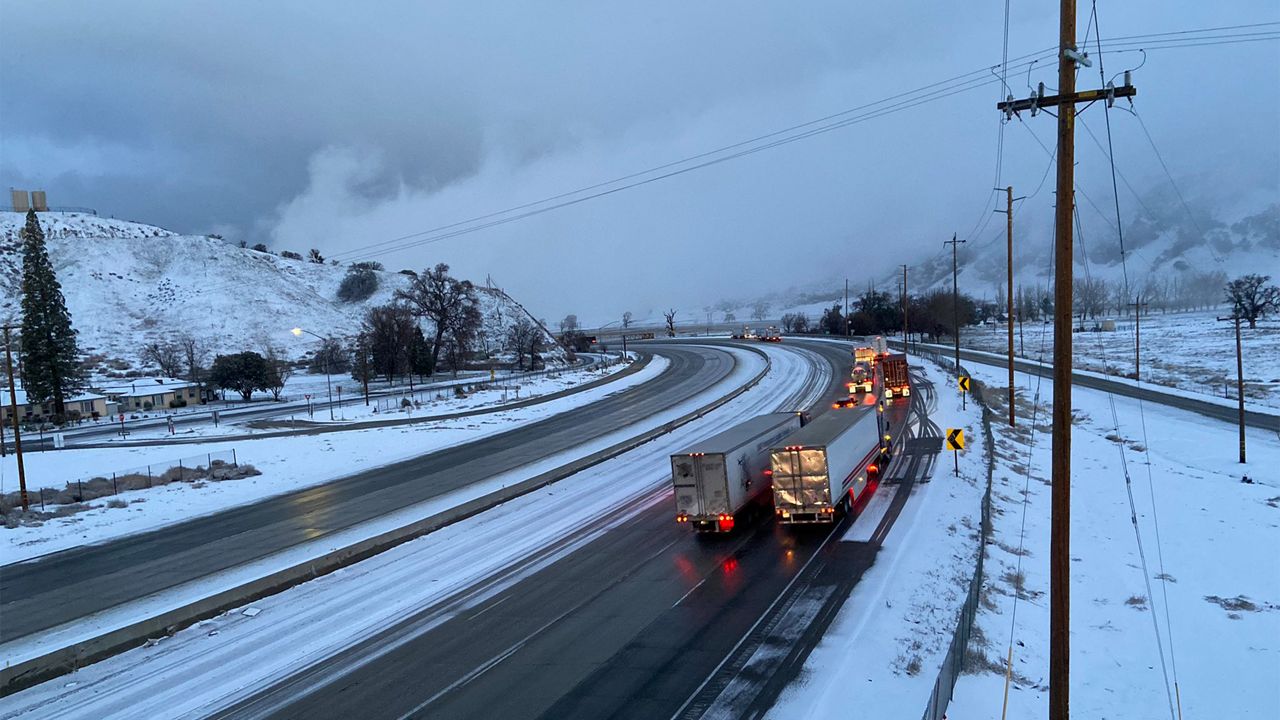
[746,334]
[880,346]
[896,379]
[717,478]
[771,334]
[864,355]
[824,468]
[861,377]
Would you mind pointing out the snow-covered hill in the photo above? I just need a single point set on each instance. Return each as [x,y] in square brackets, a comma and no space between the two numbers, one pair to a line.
[128,283]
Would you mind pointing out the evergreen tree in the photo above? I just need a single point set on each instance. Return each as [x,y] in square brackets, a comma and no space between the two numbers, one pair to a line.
[50,358]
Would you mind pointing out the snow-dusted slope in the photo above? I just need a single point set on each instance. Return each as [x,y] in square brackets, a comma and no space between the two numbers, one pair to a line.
[127,284]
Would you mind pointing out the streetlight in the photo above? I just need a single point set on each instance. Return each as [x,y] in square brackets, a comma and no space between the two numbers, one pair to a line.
[324,348]
[624,335]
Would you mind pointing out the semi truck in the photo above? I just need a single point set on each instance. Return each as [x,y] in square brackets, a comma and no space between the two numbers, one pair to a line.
[864,355]
[880,346]
[719,477]
[896,380]
[824,467]
[861,377]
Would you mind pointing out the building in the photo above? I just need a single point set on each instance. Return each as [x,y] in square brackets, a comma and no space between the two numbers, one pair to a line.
[86,406]
[146,394]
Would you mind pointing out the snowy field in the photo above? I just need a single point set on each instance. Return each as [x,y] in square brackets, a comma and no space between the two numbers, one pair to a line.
[1190,351]
[1211,564]
[436,577]
[286,463]
[881,654]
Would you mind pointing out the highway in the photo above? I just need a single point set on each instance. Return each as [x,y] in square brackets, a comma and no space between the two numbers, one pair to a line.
[62,587]
[646,620]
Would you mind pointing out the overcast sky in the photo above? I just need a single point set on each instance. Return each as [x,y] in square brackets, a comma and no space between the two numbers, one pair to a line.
[330,125]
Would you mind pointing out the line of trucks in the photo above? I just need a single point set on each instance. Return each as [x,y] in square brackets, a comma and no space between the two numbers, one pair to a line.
[811,470]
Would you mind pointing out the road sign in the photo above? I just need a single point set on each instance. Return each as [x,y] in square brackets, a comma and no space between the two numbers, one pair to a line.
[955,438]
[964,383]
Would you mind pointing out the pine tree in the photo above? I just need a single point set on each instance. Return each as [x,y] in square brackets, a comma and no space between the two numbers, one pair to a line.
[51,369]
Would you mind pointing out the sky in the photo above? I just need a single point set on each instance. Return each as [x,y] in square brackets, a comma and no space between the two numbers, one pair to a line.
[325,125]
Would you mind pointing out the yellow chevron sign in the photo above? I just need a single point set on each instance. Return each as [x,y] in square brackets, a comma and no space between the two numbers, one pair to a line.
[955,438]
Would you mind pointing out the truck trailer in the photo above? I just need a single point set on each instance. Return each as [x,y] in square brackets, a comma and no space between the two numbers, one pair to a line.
[824,467]
[896,379]
[718,477]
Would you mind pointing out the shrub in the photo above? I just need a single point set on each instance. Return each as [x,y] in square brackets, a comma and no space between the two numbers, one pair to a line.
[360,284]
[146,405]
[177,403]
[291,255]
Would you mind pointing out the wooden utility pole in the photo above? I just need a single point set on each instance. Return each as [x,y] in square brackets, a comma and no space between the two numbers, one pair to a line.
[1008,211]
[906,328]
[1137,306]
[847,330]
[1235,317]
[955,295]
[13,412]
[1069,58]
[1009,313]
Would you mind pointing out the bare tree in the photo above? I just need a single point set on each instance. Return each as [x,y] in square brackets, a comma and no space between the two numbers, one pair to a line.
[1251,297]
[315,257]
[165,355]
[390,332]
[524,339]
[279,370]
[1090,297]
[760,310]
[626,319]
[195,353]
[436,295]
[569,324]
[461,338]
[670,315]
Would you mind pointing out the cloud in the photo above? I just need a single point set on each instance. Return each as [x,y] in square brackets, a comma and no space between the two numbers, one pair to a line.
[337,127]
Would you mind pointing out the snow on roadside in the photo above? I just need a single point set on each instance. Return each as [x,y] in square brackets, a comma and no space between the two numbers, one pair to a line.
[426,401]
[882,652]
[286,463]
[1217,537]
[210,665]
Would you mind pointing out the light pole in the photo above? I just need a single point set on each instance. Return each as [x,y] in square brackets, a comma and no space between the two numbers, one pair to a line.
[624,335]
[325,348]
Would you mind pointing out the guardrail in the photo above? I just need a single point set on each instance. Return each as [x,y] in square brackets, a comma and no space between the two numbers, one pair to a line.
[62,660]
[953,663]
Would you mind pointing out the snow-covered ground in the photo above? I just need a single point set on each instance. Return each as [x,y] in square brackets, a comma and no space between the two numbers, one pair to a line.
[128,283]
[1191,351]
[881,654]
[212,664]
[1212,567]
[286,463]
[423,402]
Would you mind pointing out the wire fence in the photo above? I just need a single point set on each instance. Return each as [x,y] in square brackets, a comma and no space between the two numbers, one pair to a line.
[953,663]
[405,397]
[211,466]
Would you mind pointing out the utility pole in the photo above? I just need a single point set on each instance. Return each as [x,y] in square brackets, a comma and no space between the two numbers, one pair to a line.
[1069,58]
[906,328]
[955,295]
[847,329]
[1235,317]
[13,412]
[1137,306]
[1008,211]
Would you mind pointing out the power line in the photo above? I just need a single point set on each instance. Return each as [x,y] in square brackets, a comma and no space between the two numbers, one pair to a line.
[895,103]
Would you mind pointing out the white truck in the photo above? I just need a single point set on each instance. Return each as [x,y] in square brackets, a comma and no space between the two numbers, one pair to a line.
[824,467]
[718,477]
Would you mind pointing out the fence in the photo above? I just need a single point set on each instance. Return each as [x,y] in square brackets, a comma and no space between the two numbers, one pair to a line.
[388,399]
[953,663]
[223,465]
